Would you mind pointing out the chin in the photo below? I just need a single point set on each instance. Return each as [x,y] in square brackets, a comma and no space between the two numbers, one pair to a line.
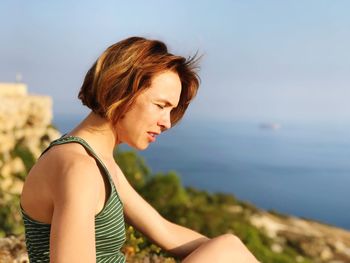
[139,147]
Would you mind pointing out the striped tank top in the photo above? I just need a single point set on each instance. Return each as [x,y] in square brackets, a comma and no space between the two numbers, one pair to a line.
[109,222]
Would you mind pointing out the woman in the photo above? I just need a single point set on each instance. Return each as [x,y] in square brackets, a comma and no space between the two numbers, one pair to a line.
[76,198]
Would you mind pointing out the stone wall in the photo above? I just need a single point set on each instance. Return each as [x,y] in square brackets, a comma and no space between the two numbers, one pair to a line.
[25,123]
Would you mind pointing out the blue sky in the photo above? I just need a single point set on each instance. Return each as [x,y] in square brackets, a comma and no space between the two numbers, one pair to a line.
[263,60]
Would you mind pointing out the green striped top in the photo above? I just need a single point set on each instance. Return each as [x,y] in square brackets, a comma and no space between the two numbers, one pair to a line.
[109,222]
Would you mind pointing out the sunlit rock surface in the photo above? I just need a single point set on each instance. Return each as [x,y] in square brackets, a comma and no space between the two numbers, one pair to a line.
[25,125]
[321,242]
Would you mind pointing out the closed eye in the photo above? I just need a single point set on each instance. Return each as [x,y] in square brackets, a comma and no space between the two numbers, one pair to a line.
[160,106]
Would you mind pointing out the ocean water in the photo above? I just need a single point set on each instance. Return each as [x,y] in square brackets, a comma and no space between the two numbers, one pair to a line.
[301,169]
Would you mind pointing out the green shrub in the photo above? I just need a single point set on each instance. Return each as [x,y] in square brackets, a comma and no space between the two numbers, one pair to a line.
[204,212]
[133,167]
[25,155]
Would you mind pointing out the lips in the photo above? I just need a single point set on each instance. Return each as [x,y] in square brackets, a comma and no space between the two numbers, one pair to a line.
[152,136]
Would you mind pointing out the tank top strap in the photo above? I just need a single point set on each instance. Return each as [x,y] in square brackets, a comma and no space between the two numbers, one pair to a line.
[74,139]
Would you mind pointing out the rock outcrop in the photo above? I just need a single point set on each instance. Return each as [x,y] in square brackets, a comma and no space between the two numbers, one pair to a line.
[321,242]
[13,250]
[25,129]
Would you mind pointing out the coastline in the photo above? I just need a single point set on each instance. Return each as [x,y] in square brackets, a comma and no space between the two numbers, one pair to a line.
[286,170]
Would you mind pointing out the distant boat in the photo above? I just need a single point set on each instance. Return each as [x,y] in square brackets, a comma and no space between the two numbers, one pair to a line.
[270,126]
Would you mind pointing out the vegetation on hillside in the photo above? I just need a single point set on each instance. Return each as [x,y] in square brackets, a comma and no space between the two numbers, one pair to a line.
[211,214]
[10,218]
[208,213]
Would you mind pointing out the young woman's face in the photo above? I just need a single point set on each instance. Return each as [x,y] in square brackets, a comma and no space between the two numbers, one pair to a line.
[150,114]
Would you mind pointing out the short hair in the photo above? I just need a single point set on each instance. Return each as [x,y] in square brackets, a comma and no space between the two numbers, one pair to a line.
[126,68]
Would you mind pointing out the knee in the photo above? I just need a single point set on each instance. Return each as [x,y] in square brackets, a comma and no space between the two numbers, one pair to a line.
[228,240]
[232,247]
[224,248]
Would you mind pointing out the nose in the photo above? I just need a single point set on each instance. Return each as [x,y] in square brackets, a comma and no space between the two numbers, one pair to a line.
[165,121]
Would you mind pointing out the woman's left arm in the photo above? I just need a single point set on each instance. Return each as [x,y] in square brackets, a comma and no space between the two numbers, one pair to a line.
[177,240]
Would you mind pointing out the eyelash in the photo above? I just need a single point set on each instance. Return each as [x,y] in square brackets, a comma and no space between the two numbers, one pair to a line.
[160,106]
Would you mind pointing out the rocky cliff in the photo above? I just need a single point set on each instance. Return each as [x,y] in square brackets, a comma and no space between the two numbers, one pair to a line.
[320,242]
[25,129]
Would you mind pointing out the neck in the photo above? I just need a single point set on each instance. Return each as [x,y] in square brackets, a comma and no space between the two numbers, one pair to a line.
[99,133]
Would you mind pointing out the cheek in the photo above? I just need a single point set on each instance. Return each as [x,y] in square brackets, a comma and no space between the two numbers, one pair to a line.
[137,120]
[146,113]
[143,116]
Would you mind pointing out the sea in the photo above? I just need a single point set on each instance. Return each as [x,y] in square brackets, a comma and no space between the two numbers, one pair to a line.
[300,168]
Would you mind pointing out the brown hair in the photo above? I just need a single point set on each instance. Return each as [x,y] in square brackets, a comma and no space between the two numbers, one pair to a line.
[126,69]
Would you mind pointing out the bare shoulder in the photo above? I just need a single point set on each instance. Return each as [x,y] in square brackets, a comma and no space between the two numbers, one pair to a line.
[75,193]
[64,172]
[71,169]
